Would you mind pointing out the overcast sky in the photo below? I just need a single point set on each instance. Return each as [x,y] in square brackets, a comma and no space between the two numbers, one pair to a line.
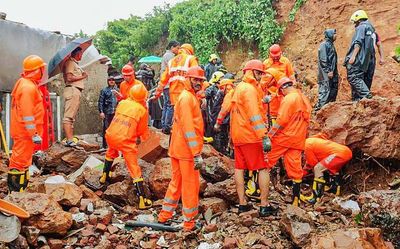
[70,16]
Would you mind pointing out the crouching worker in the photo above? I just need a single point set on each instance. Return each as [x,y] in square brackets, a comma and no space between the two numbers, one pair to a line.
[323,155]
[185,152]
[289,133]
[126,130]
[27,118]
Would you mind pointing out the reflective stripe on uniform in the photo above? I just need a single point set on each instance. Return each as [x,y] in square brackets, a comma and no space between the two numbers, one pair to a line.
[190,210]
[170,201]
[168,208]
[276,126]
[176,78]
[30,126]
[193,143]
[190,134]
[329,159]
[258,127]
[255,118]
[28,118]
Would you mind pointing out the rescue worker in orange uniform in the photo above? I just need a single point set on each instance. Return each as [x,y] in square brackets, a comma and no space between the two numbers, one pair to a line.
[288,134]
[279,62]
[125,133]
[174,74]
[129,81]
[185,152]
[324,155]
[27,117]
[271,98]
[249,134]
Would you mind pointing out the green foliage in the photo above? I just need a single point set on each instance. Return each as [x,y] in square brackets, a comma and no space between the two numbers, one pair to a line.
[295,8]
[203,23]
[81,35]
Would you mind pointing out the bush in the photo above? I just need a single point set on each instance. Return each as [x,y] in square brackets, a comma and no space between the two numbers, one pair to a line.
[203,23]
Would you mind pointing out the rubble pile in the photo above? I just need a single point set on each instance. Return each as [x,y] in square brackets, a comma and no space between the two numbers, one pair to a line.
[68,210]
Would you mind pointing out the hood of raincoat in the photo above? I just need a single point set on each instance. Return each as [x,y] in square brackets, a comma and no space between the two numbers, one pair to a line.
[329,33]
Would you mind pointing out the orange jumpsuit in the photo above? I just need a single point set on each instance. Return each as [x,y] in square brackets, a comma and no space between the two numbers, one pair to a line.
[129,123]
[289,133]
[331,155]
[27,118]
[226,106]
[247,125]
[175,73]
[283,65]
[126,86]
[186,143]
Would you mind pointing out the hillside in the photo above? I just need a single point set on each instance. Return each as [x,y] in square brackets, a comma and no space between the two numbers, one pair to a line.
[302,37]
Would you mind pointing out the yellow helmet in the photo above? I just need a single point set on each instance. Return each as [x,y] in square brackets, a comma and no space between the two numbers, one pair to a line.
[216,77]
[212,57]
[358,15]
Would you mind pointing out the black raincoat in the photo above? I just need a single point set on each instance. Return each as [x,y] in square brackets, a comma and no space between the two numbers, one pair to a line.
[327,62]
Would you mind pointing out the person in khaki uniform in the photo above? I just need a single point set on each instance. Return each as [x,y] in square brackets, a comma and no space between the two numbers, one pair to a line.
[74,78]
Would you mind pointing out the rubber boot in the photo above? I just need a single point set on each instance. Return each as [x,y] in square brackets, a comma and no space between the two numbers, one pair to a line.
[144,203]
[252,190]
[296,192]
[336,183]
[317,191]
[105,177]
[17,181]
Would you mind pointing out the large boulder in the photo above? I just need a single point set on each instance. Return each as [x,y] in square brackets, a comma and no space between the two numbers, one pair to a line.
[65,193]
[121,193]
[349,239]
[159,175]
[45,213]
[297,224]
[225,190]
[370,125]
[217,168]
[217,205]
[52,157]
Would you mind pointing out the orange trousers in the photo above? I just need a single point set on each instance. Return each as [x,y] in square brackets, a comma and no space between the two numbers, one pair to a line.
[186,182]
[22,152]
[291,159]
[130,154]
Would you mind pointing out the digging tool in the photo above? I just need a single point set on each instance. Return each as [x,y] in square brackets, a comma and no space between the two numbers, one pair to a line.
[11,209]
[153,225]
[3,140]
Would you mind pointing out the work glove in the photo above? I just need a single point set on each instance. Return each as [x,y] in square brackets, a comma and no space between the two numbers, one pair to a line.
[198,162]
[138,141]
[36,139]
[267,99]
[266,144]
[217,127]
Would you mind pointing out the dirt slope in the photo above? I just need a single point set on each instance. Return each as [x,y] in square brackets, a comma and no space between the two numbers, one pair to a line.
[302,37]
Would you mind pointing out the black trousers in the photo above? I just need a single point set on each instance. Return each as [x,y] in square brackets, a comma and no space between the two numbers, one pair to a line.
[106,123]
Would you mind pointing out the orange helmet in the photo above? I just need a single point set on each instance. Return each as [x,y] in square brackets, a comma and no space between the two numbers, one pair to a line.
[254,65]
[128,70]
[33,62]
[284,81]
[226,82]
[138,93]
[275,50]
[188,48]
[195,72]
